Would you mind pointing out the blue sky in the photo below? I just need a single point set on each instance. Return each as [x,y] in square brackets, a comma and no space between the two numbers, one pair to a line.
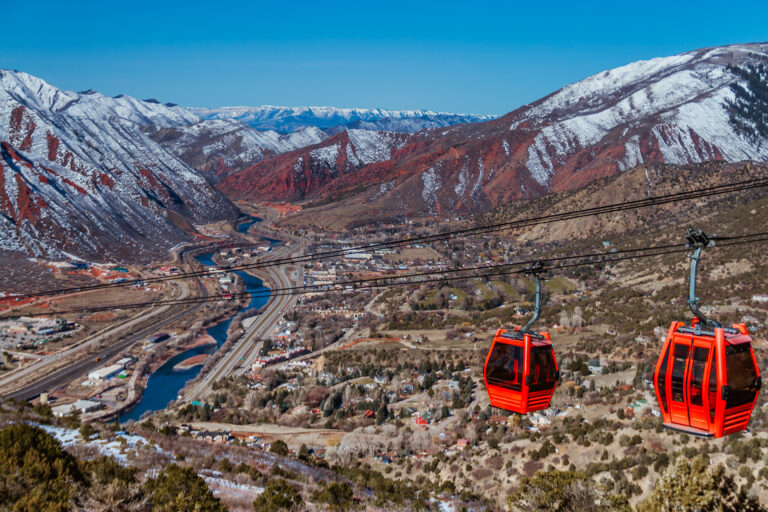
[482,57]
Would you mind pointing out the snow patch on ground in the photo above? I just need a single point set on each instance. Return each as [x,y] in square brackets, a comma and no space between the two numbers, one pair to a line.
[220,486]
[461,186]
[298,165]
[371,147]
[383,189]
[633,156]
[116,448]
[539,163]
[431,184]
[326,155]
[477,187]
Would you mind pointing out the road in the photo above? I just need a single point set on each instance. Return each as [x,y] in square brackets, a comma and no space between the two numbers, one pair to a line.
[18,378]
[83,366]
[246,349]
[48,376]
[55,372]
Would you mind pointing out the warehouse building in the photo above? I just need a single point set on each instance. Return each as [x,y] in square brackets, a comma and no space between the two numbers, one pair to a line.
[106,373]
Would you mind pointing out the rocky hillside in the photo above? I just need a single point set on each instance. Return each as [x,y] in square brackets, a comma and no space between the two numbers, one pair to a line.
[229,139]
[670,110]
[298,174]
[219,147]
[79,175]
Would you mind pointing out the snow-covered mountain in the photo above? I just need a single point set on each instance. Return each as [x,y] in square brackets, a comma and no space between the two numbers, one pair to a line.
[79,175]
[669,109]
[218,147]
[103,177]
[229,139]
[301,173]
[290,119]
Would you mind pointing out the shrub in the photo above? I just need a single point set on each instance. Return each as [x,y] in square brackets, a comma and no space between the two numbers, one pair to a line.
[338,496]
[279,447]
[179,489]
[35,473]
[277,495]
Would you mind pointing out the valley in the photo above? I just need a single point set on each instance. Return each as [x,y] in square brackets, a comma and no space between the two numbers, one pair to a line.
[303,301]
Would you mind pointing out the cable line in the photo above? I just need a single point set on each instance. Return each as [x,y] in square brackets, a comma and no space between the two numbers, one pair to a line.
[443,236]
[408,279]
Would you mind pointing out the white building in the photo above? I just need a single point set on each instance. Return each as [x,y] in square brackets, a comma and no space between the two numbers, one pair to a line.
[357,254]
[124,362]
[82,406]
[106,373]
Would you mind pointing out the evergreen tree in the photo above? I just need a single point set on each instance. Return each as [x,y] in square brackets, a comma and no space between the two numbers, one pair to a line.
[277,495]
[35,473]
[279,447]
[382,414]
[748,111]
[179,489]
[697,486]
[338,496]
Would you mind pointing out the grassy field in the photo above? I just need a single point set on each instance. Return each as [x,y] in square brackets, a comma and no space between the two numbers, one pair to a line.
[488,290]
[429,300]
[561,285]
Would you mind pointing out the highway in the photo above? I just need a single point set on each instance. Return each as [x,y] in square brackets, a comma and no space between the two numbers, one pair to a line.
[246,349]
[49,374]
[55,371]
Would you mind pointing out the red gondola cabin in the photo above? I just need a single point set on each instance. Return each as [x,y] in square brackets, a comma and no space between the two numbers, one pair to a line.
[521,371]
[707,377]
[707,381]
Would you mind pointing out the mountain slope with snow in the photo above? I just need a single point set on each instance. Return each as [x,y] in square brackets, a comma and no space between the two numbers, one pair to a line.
[290,119]
[668,109]
[79,175]
[297,174]
[219,147]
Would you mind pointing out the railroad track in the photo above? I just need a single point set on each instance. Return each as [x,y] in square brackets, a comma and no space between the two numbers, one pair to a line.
[90,361]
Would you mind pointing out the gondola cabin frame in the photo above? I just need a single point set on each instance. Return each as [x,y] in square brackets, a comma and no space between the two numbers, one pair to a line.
[521,371]
[707,382]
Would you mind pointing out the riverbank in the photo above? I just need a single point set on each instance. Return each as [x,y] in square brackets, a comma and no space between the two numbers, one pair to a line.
[193,361]
[168,379]
[204,340]
[140,377]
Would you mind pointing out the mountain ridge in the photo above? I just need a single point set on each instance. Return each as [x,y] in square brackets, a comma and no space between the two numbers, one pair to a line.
[78,175]
[667,110]
[289,119]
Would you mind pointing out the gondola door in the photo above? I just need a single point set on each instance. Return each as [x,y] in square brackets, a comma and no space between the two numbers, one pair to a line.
[678,391]
[697,384]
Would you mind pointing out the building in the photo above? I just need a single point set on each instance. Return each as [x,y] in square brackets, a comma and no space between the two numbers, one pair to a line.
[124,361]
[358,255]
[760,298]
[106,373]
[157,338]
[462,443]
[81,406]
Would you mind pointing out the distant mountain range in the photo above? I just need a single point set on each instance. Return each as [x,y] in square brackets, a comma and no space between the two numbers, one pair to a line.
[229,139]
[88,175]
[670,110]
[333,120]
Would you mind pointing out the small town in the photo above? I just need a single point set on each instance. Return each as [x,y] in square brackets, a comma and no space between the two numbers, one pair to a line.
[383,257]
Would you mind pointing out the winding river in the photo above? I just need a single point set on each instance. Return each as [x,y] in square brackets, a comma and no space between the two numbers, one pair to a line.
[165,383]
